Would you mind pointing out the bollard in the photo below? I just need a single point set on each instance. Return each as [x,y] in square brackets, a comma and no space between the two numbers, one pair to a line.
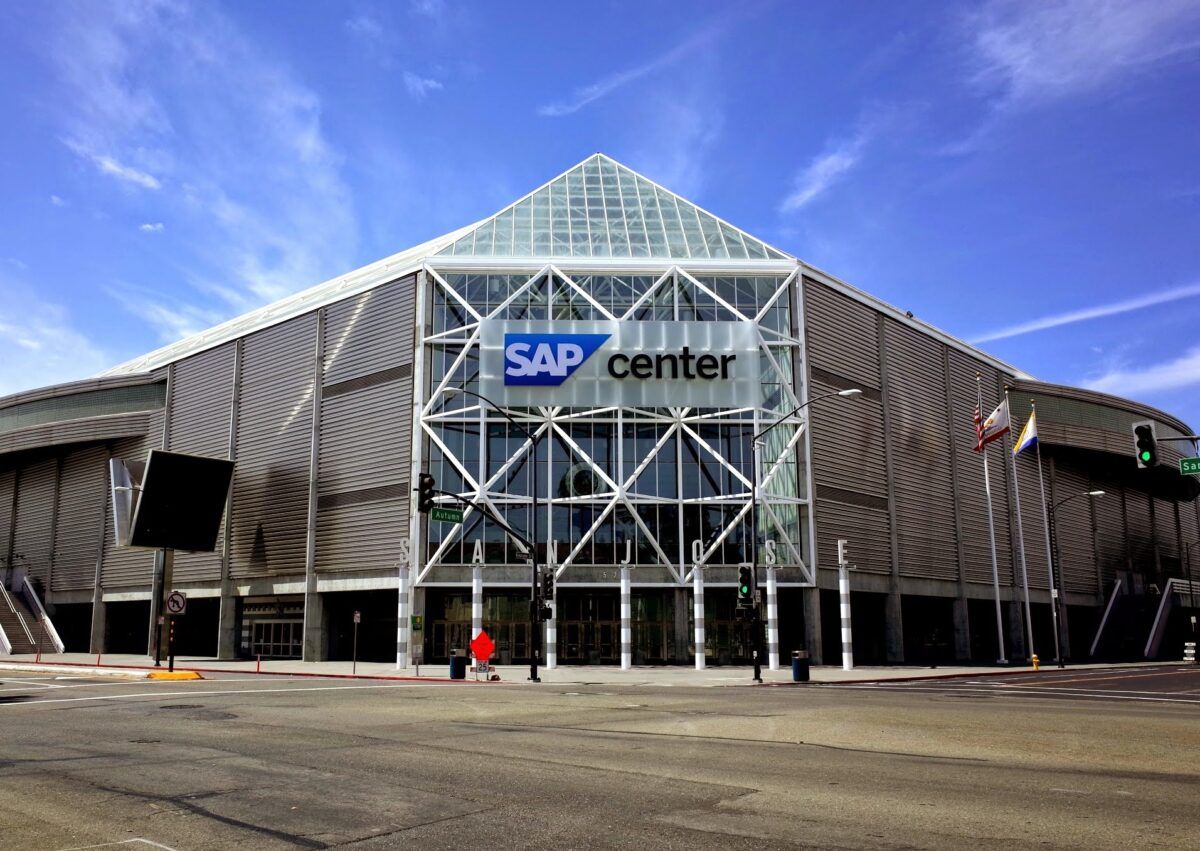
[799,666]
[1189,652]
[1034,660]
[97,660]
[258,665]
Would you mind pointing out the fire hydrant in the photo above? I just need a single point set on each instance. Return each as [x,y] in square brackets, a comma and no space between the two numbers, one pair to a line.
[1034,659]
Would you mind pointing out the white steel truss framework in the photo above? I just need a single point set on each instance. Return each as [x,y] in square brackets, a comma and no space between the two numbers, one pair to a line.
[482,459]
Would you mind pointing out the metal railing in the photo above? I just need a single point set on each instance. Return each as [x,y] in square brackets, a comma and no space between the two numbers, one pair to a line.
[7,601]
[47,626]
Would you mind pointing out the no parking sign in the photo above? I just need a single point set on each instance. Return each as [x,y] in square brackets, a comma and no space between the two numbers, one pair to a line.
[176,603]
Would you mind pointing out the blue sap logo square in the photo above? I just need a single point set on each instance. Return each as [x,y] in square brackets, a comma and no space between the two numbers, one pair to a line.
[546,360]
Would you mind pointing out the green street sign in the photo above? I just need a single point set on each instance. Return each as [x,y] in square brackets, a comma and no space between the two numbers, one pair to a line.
[1189,466]
[446,515]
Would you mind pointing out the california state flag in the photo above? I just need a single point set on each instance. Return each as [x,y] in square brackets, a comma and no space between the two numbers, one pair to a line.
[994,427]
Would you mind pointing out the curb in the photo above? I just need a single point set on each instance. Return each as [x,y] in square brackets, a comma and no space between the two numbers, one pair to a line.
[158,673]
[934,677]
[70,668]
[173,675]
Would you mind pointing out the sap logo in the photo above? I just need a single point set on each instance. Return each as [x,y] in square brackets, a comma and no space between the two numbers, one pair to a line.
[546,360]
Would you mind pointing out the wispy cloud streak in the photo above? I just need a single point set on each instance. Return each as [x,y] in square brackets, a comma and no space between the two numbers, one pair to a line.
[1088,313]
[1183,371]
[824,171]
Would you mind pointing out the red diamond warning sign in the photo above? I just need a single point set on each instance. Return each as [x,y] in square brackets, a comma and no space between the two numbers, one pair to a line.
[482,646]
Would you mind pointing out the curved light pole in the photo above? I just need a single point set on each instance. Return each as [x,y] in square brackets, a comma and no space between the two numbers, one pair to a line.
[535,636]
[756,445]
[1056,594]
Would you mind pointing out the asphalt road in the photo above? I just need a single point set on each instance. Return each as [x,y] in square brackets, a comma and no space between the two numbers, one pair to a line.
[309,763]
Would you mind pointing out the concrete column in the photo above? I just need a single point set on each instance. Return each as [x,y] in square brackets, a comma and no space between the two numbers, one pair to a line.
[893,628]
[227,639]
[96,644]
[681,639]
[844,605]
[962,630]
[476,601]
[626,617]
[316,644]
[811,600]
[402,618]
[550,652]
[417,642]
[772,620]
[1016,629]
[698,614]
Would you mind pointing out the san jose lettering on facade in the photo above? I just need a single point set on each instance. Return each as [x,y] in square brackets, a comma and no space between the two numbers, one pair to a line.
[768,555]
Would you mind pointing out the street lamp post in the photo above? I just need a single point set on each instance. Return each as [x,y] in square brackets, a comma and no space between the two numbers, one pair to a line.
[535,637]
[1056,594]
[756,446]
[1187,558]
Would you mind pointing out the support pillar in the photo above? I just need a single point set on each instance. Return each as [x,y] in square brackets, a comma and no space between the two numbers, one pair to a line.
[227,643]
[893,628]
[626,615]
[698,614]
[844,605]
[772,619]
[681,638]
[402,618]
[476,601]
[962,630]
[550,647]
[316,645]
[811,600]
[96,643]
[1016,630]
[416,603]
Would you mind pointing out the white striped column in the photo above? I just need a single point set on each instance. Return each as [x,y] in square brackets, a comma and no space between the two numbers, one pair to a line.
[698,613]
[402,620]
[476,601]
[772,620]
[550,648]
[844,600]
[626,615]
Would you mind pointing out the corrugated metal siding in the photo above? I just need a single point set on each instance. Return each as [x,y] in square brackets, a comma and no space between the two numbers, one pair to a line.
[125,567]
[972,499]
[867,529]
[1110,531]
[847,443]
[1189,527]
[8,481]
[842,334]
[921,467]
[75,431]
[1074,529]
[201,407]
[363,438]
[270,490]
[370,332]
[1165,529]
[1032,518]
[364,536]
[1141,545]
[81,499]
[34,518]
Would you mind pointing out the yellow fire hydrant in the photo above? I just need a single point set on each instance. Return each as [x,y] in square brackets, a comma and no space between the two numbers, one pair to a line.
[1034,659]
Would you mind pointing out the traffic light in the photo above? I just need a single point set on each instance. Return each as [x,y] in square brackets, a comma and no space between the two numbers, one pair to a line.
[547,584]
[1145,443]
[745,590]
[425,485]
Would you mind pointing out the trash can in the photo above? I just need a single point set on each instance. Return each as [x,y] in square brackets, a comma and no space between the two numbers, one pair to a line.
[458,664]
[799,666]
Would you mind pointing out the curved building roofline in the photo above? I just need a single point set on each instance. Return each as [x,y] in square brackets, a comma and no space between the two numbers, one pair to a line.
[1095,397]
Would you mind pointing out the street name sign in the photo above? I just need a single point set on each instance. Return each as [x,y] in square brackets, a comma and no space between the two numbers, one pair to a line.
[446,515]
[1189,466]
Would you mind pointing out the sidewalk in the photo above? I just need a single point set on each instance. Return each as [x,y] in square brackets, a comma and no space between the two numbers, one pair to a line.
[677,675]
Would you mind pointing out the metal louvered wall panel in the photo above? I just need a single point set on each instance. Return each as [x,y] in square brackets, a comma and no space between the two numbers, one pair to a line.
[363,536]
[972,498]
[847,443]
[201,407]
[1033,519]
[1166,531]
[921,466]
[1187,525]
[81,499]
[1074,528]
[274,440]
[32,546]
[370,332]
[867,529]
[125,567]
[8,483]
[1110,531]
[843,335]
[1137,520]
[364,438]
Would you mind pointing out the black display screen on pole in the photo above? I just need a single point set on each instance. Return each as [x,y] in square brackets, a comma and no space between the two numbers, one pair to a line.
[182,500]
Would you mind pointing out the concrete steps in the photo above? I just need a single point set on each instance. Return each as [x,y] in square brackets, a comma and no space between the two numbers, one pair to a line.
[20,625]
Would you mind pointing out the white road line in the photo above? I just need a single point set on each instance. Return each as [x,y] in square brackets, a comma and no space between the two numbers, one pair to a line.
[203,692]
[1015,692]
[139,840]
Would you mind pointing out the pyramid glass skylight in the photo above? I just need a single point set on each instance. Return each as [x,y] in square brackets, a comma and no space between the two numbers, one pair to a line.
[600,208]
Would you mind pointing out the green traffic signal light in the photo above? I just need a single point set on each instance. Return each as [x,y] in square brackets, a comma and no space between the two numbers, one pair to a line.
[745,590]
[1145,456]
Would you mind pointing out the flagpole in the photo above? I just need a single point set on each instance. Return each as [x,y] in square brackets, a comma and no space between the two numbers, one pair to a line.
[987,487]
[1049,554]
[1021,543]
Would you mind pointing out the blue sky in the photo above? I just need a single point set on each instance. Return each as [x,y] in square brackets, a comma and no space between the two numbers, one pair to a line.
[1024,175]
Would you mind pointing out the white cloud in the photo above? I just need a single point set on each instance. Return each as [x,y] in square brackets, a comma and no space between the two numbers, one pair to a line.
[1032,52]
[1182,371]
[17,263]
[678,134]
[170,321]
[41,344]
[428,8]
[155,227]
[824,171]
[57,202]
[420,87]
[1087,313]
[606,85]
[108,165]
[364,26]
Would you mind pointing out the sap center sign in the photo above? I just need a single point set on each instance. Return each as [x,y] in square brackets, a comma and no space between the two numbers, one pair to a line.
[583,363]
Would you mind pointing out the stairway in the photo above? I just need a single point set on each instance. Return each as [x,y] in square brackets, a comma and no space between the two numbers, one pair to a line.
[1128,625]
[18,622]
